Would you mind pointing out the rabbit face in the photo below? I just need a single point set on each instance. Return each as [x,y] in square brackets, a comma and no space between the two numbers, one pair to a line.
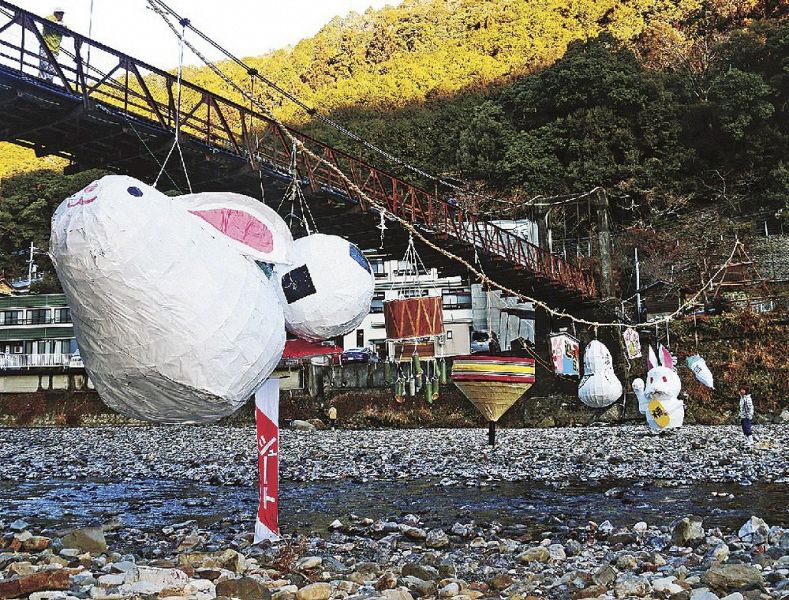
[662,381]
[179,303]
[174,319]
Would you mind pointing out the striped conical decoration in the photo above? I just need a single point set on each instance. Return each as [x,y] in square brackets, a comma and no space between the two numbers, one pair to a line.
[493,383]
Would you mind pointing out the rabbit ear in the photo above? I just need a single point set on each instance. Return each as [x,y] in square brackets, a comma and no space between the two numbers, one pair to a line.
[652,361]
[665,357]
[252,227]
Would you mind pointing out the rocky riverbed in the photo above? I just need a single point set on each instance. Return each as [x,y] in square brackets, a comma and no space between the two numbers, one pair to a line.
[615,513]
[225,455]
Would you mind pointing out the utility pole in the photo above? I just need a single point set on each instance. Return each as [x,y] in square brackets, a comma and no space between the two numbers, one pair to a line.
[543,235]
[638,287]
[604,243]
[30,266]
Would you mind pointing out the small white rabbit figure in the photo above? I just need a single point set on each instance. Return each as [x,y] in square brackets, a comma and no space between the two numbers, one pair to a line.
[665,410]
[175,318]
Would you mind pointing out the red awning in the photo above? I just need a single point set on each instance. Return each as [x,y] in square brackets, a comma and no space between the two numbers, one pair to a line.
[303,349]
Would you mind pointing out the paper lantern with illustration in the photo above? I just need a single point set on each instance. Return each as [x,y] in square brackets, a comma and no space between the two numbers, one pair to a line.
[174,319]
[665,410]
[565,350]
[632,343]
[327,290]
[599,386]
[700,370]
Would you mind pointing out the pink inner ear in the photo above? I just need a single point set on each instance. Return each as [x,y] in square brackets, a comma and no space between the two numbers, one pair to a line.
[666,358]
[240,226]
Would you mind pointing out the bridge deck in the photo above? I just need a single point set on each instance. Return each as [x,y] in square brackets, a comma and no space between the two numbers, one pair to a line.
[121,120]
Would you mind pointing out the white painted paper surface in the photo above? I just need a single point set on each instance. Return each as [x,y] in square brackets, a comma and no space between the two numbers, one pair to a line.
[665,410]
[599,386]
[174,323]
[700,369]
[327,290]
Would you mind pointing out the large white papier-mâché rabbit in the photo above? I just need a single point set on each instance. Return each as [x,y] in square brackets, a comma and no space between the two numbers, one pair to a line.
[175,317]
[664,410]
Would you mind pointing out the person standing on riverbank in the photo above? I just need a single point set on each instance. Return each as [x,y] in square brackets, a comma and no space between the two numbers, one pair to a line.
[746,413]
[333,417]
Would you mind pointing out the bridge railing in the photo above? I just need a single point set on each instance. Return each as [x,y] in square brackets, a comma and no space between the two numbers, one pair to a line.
[104,77]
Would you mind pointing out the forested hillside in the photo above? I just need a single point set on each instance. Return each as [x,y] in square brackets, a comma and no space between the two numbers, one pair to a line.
[662,102]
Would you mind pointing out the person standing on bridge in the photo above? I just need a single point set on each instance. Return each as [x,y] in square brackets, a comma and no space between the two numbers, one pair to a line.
[52,40]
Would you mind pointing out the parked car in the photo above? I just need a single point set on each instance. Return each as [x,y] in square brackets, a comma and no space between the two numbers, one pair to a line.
[358,355]
[480,342]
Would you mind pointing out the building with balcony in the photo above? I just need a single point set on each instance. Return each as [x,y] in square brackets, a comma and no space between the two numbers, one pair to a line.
[395,279]
[35,331]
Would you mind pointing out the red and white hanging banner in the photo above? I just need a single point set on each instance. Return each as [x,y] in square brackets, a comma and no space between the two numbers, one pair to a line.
[267,422]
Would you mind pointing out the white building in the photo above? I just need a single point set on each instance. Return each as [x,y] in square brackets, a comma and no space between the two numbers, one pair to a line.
[393,281]
[35,331]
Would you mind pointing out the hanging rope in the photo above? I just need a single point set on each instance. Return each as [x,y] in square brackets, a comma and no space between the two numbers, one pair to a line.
[177,141]
[148,149]
[413,263]
[295,195]
[414,231]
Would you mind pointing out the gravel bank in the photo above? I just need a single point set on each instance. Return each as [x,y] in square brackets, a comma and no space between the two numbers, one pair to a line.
[397,555]
[225,455]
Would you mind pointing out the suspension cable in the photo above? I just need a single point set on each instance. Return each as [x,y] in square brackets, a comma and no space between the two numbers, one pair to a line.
[313,112]
[413,230]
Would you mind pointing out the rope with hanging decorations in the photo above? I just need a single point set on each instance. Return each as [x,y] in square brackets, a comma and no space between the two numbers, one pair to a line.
[414,231]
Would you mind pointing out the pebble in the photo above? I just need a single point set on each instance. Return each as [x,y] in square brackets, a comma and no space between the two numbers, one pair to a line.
[399,555]
[549,455]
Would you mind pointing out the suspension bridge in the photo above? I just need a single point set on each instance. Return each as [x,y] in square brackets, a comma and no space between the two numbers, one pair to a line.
[124,118]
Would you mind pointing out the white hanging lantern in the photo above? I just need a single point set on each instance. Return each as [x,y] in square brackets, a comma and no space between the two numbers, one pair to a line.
[174,320]
[599,386]
[327,290]
[700,369]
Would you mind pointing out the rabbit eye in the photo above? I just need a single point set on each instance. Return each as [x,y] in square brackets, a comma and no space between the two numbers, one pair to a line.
[135,191]
[664,378]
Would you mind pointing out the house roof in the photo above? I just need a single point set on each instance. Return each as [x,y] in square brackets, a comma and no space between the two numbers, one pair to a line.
[6,289]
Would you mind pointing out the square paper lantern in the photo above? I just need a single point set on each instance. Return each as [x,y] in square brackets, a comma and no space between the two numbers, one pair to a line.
[632,343]
[565,350]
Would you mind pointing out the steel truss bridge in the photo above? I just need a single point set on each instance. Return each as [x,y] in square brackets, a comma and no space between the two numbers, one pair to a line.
[123,119]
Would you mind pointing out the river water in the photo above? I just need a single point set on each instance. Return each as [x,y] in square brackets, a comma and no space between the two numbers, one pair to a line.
[149,505]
